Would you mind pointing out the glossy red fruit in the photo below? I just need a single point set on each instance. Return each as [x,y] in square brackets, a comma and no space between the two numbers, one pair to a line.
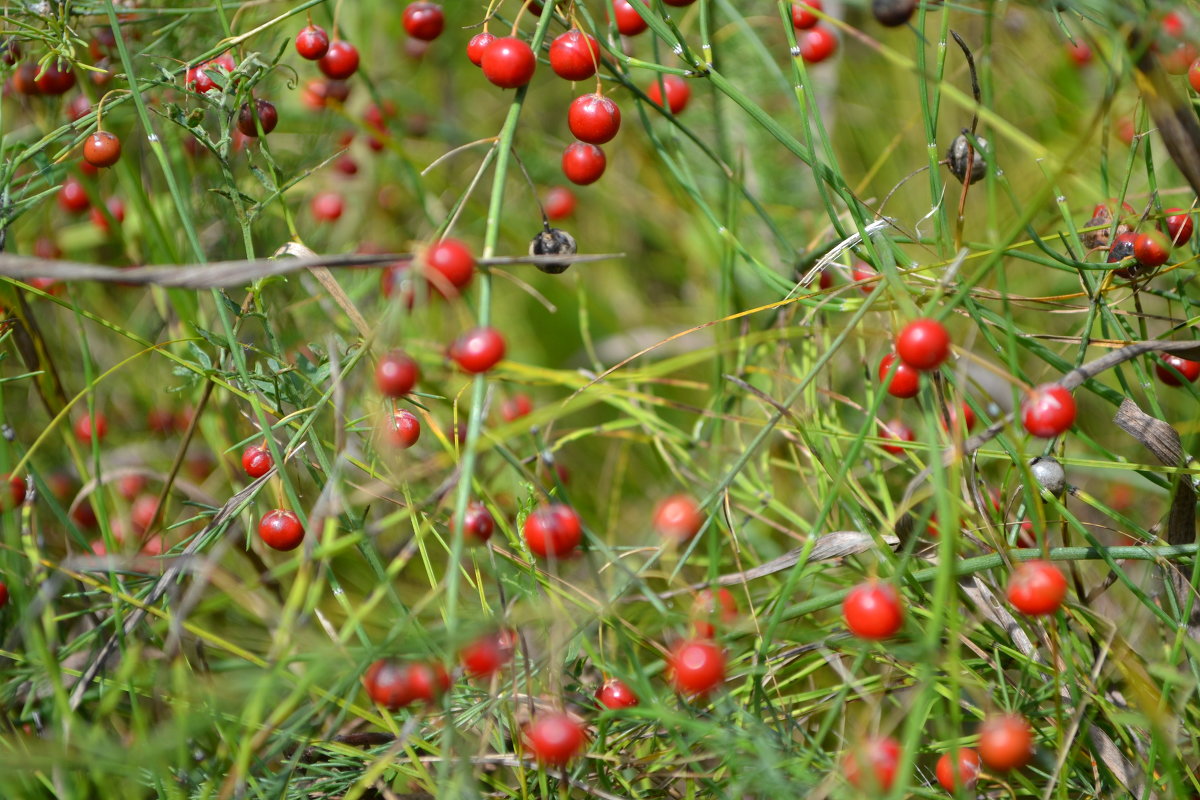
[896,431]
[281,529]
[268,118]
[555,738]
[627,19]
[583,163]
[1037,588]
[449,266]
[1179,226]
[677,90]
[87,428]
[1079,52]
[340,60]
[615,694]
[923,344]
[905,381]
[1048,410]
[478,350]
[73,197]
[424,21]
[678,517]
[478,523]
[508,62]
[143,512]
[386,682]
[861,271]
[1194,75]
[574,56]
[802,16]
[327,206]
[102,149]
[396,374]
[403,429]
[873,610]
[710,607]
[553,531]
[488,654]
[966,774]
[1151,249]
[427,681]
[515,407]
[1189,371]
[1005,742]
[873,764]
[56,79]
[200,77]
[257,460]
[696,666]
[594,118]
[816,44]
[478,44]
[312,42]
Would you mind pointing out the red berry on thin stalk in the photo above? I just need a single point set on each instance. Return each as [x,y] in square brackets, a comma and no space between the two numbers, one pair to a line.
[478,350]
[509,62]
[873,610]
[73,197]
[896,431]
[677,90]
[574,56]
[816,44]
[101,149]
[396,374]
[200,77]
[386,682]
[55,79]
[555,738]
[696,666]
[1037,588]
[553,531]
[327,206]
[312,42]
[1168,365]
[1048,410]
[802,16]
[1151,249]
[267,116]
[478,523]
[476,47]
[678,518]
[280,529]
[87,428]
[340,60]
[403,429]
[583,163]
[594,118]
[873,764]
[615,694]
[1005,742]
[965,775]
[1179,226]
[257,461]
[449,266]
[628,21]
[487,654]
[424,21]
[905,381]
[923,344]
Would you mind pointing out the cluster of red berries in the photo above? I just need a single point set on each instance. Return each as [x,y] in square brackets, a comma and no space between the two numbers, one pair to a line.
[814,42]
[1134,253]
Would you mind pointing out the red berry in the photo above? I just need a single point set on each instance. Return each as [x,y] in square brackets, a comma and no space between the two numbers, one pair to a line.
[1173,25]
[396,374]
[516,407]
[55,80]
[281,529]
[1178,59]
[555,738]
[1079,52]
[257,461]
[478,44]
[16,491]
[478,523]
[424,21]
[318,93]
[1179,226]
[873,764]
[559,203]
[327,206]
[199,78]
[816,44]
[268,117]
[678,517]
[449,266]
[143,511]
[427,681]
[553,531]
[677,90]
[478,350]
[1151,249]
[721,606]
[802,16]
[574,56]
[616,694]
[897,431]
[1048,410]
[340,61]
[403,428]
[79,107]
[3,594]
[73,197]
[594,118]
[1189,370]
[628,21]
[1005,742]
[965,776]
[386,682]
[115,209]
[905,382]
[1194,75]
[923,344]
[101,149]
[862,272]
[1037,588]
[583,163]
[487,654]
[86,428]
[312,42]
[508,62]
[873,611]
[696,666]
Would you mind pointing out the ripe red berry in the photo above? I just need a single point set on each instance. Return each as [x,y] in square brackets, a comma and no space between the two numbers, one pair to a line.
[16,491]
[403,429]
[628,21]
[594,118]
[73,197]
[426,681]
[516,407]
[1189,370]
[1179,226]
[1151,249]
[712,607]
[509,62]
[574,56]
[200,77]
[872,610]
[905,381]
[1037,588]
[449,266]
[1005,742]
[1048,410]
[555,738]
[79,107]
[616,694]
[478,523]
[873,764]
[476,47]
[101,149]
[55,79]
[340,61]
[1176,60]
[553,531]
[386,682]
[861,271]
[396,374]
[583,163]
[327,206]
[424,21]
[478,350]
[268,117]
[677,90]
[487,654]
[696,666]
[802,16]
[281,529]
[86,428]
[115,208]
[312,42]
[816,44]
[964,776]
[1194,75]
[678,517]
[923,344]
[896,431]
[257,461]
[1079,52]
